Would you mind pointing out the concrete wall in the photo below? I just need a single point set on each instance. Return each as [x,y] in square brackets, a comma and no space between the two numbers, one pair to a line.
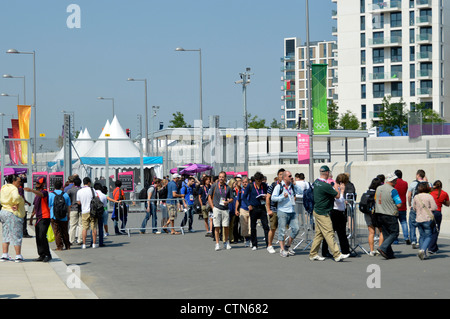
[362,173]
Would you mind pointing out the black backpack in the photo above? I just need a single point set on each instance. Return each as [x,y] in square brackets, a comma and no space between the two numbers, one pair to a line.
[59,206]
[308,199]
[97,207]
[143,192]
[367,202]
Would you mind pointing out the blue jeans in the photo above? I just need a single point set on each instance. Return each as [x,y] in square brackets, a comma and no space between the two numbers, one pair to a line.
[412,226]
[434,237]
[190,214]
[290,219]
[151,213]
[404,223]
[426,230]
[390,230]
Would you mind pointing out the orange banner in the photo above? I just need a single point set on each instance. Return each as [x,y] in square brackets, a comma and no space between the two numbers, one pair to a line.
[24,112]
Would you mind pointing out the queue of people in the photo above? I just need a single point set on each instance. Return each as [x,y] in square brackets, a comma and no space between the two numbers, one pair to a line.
[231,211]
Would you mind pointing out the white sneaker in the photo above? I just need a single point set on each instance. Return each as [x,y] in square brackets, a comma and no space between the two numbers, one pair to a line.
[18,259]
[316,257]
[94,245]
[341,257]
[226,245]
[83,246]
[217,247]
[271,250]
[254,248]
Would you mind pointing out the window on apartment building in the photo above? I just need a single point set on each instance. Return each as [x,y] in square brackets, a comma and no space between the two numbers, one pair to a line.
[378,55]
[411,18]
[378,21]
[396,35]
[362,6]
[397,89]
[396,19]
[396,54]
[290,114]
[363,74]
[377,109]
[412,54]
[396,71]
[412,71]
[411,3]
[412,36]
[363,91]
[363,23]
[363,57]
[363,112]
[290,104]
[378,90]
[290,124]
[412,88]
[363,40]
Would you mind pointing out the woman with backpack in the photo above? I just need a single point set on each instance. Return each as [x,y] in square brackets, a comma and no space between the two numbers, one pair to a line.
[371,219]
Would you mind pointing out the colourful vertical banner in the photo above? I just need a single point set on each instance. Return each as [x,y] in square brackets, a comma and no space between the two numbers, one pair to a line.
[303,148]
[24,112]
[319,99]
[12,149]
[16,134]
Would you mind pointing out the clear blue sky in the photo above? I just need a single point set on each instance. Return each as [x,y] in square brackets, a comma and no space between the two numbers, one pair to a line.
[137,38]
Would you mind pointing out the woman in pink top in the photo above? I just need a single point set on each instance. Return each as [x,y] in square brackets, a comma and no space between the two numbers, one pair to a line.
[441,198]
[424,205]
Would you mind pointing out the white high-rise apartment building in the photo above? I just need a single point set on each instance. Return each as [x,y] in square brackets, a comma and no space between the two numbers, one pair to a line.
[395,48]
[294,79]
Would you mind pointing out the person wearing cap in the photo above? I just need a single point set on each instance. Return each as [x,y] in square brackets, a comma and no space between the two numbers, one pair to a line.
[387,203]
[172,195]
[42,213]
[324,197]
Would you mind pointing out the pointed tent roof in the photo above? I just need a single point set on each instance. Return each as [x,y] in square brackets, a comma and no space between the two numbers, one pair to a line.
[80,145]
[124,148]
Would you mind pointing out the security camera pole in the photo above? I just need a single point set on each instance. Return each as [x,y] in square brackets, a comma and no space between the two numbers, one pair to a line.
[245,80]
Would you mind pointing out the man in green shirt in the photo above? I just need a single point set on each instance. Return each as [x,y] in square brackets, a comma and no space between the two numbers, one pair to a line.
[324,196]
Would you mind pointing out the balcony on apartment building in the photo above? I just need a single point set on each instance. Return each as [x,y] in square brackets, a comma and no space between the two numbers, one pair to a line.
[385,41]
[385,6]
[385,76]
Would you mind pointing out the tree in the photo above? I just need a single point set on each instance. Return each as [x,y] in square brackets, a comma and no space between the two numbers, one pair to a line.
[349,121]
[333,115]
[393,116]
[276,124]
[178,121]
[255,122]
[429,115]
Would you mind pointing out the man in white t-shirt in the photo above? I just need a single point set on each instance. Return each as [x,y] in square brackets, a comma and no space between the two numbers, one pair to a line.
[299,208]
[84,197]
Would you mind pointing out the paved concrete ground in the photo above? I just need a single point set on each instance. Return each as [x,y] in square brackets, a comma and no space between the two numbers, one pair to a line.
[186,266]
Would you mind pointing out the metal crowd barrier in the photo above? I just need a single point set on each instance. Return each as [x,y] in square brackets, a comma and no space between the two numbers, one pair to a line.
[137,207]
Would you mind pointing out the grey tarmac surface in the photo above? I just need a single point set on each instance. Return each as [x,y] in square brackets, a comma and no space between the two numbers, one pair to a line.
[163,266]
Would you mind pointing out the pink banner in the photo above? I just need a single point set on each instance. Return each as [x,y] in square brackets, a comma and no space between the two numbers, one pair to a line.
[303,148]
[12,149]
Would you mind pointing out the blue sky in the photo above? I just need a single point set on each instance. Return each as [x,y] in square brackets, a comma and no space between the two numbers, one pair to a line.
[137,38]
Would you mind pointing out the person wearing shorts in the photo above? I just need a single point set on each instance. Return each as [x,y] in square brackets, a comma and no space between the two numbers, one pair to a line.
[172,194]
[219,197]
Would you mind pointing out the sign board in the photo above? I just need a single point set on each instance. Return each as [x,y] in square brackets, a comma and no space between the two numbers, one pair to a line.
[53,177]
[127,179]
[303,148]
[37,175]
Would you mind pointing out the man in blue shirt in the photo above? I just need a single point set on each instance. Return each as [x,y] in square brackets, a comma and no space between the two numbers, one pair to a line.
[172,195]
[187,191]
[59,225]
[255,199]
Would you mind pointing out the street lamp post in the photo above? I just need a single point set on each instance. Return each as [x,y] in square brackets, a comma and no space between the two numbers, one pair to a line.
[310,111]
[245,81]
[154,113]
[14,51]
[108,98]
[9,76]
[11,95]
[146,113]
[201,96]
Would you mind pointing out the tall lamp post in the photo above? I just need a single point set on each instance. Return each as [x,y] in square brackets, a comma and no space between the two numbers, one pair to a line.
[310,111]
[245,81]
[9,76]
[155,110]
[14,51]
[201,96]
[11,95]
[108,98]
[146,113]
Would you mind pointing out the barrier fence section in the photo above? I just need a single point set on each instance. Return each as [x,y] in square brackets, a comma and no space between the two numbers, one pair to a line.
[137,218]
